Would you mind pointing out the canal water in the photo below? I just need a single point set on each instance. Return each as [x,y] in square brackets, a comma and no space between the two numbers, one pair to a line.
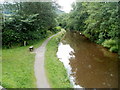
[88,65]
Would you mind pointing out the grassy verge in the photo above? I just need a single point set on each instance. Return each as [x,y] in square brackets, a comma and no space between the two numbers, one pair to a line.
[0,66]
[18,67]
[55,70]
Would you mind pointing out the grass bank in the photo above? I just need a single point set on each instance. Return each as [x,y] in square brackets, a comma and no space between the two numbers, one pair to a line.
[18,67]
[0,66]
[55,70]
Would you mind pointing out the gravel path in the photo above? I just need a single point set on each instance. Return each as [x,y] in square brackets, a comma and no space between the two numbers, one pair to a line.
[39,69]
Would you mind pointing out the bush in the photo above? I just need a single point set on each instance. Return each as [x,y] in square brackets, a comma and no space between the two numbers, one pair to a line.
[100,41]
[114,49]
[18,29]
[58,28]
[109,43]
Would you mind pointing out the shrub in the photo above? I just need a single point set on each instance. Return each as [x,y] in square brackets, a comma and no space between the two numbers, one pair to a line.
[58,28]
[18,29]
[114,49]
[100,41]
[109,43]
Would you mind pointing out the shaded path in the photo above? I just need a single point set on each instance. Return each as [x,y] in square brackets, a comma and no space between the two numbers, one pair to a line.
[39,69]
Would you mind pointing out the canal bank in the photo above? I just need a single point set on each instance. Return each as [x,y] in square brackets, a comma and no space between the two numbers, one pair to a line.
[55,70]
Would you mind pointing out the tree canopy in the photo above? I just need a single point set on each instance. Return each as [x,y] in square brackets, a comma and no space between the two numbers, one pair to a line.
[27,21]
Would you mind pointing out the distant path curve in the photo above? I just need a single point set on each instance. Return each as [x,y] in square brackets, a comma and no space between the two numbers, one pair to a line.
[39,69]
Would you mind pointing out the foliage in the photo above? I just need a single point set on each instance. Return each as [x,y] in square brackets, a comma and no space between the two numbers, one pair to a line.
[18,29]
[58,28]
[62,20]
[97,21]
[114,49]
[26,23]
[111,44]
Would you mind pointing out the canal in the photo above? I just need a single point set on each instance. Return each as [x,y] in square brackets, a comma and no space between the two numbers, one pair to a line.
[88,64]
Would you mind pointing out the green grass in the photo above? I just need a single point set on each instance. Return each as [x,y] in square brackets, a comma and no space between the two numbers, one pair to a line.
[0,72]
[18,67]
[55,70]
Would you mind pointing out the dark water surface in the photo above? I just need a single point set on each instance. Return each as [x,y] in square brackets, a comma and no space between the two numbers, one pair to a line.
[91,65]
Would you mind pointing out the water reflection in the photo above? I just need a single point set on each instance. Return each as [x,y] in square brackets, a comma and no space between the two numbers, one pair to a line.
[89,64]
[65,53]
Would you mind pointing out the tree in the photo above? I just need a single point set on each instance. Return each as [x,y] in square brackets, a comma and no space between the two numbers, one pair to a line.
[97,21]
[26,23]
